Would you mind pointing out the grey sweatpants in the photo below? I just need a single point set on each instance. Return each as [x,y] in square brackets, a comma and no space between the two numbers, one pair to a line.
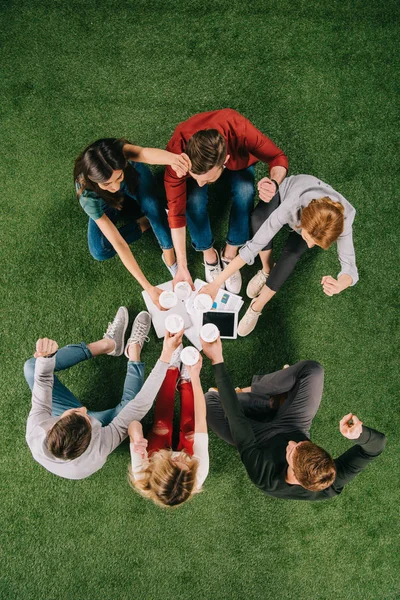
[303,383]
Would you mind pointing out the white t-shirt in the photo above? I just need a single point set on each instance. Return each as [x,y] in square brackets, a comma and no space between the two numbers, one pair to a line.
[200,451]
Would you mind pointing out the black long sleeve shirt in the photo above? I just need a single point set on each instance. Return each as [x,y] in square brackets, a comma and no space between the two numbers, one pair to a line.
[267,465]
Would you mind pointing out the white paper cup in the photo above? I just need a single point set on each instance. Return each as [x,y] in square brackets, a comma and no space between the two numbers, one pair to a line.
[183,290]
[190,356]
[209,332]
[174,323]
[203,302]
[168,299]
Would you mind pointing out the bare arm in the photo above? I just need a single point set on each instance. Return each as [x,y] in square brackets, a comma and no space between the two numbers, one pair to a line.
[200,413]
[155,156]
[212,288]
[110,231]
[179,240]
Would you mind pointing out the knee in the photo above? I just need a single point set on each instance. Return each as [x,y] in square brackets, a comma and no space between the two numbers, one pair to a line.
[212,400]
[29,369]
[100,254]
[315,369]
[160,428]
[243,193]
[256,221]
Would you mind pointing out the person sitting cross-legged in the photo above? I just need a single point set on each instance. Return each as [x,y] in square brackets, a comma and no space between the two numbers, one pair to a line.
[62,435]
[275,445]
[157,472]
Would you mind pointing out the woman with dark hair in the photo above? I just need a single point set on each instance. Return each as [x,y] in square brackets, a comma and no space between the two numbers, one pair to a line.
[113,184]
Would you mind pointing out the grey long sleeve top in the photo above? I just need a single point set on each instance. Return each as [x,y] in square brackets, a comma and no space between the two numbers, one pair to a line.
[104,439]
[297,192]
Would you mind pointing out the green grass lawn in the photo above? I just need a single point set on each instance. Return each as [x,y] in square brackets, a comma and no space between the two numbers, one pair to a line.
[320,78]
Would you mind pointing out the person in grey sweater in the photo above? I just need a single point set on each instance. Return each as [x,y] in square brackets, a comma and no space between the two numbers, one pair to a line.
[62,435]
[317,216]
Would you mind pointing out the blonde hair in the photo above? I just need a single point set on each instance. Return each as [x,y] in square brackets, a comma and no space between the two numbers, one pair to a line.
[323,220]
[164,481]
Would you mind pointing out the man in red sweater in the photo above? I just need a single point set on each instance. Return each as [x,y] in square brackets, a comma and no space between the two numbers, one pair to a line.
[216,143]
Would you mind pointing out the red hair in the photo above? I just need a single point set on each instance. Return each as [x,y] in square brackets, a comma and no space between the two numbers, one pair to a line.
[323,220]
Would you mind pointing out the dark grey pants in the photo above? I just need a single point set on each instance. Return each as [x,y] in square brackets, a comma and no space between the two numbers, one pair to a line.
[303,383]
[291,253]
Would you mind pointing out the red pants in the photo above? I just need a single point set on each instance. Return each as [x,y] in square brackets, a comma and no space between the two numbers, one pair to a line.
[164,413]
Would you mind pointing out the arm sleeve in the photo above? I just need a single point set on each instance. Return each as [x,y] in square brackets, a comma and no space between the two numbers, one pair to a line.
[260,468]
[114,433]
[42,392]
[241,430]
[264,235]
[347,256]
[260,146]
[138,464]
[369,446]
[200,451]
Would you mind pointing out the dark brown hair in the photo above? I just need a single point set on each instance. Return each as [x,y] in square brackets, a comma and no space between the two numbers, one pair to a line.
[69,437]
[206,150]
[313,467]
[97,163]
[323,220]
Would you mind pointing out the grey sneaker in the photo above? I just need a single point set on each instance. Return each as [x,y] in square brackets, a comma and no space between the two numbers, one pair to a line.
[234,283]
[176,357]
[256,284]
[185,375]
[116,331]
[248,321]
[173,269]
[212,271]
[140,329]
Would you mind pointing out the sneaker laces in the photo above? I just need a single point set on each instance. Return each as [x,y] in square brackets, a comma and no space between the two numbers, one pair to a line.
[214,270]
[139,335]
[111,329]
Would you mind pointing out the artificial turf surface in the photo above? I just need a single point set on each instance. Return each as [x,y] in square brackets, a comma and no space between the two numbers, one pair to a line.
[319,79]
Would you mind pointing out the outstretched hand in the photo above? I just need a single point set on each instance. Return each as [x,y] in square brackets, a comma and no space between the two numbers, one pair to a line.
[211,289]
[155,293]
[170,344]
[183,274]
[350,427]
[45,347]
[213,350]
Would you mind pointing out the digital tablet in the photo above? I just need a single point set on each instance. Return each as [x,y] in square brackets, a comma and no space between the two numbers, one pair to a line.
[226,321]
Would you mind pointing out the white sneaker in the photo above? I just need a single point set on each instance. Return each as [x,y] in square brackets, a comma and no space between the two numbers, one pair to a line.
[234,283]
[173,269]
[212,271]
[176,357]
[140,329]
[116,331]
[256,284]
[248,321]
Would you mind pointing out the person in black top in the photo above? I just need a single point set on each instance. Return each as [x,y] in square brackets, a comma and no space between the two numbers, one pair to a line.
[274,443]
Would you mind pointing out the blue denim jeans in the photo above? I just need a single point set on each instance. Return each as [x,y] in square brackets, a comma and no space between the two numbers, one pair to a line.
[242,191]
[63,399]
[146,197]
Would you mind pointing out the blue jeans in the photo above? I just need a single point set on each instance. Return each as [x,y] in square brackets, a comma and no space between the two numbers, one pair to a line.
[242,189]
[63,399]
[146,197]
